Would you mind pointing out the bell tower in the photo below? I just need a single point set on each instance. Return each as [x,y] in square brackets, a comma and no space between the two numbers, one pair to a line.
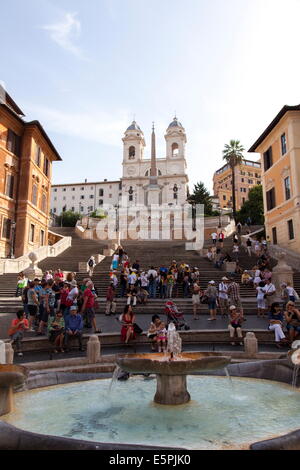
[175,140]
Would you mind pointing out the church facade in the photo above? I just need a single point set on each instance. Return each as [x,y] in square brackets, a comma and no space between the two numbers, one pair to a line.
[144,181]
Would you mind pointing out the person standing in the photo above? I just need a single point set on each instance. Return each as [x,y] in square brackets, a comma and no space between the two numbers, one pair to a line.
[261,303]
[196,299]
[214,237]
[234,295]
[212,294]
[152,277]
[110,300]
[221,239]
[270,291]
[91,265]
[223,296]
[249,246]
[88,307]
[32,304]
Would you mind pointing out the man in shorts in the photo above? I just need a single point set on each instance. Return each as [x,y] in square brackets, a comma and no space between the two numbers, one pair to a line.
[196,298]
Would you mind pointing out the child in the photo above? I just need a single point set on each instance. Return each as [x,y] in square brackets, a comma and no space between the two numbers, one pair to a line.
[161,337]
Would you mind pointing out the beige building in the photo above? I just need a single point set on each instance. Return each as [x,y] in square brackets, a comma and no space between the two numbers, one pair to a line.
[247,175]
[279,146]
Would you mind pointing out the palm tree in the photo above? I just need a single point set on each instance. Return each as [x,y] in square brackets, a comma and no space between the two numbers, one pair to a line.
[233,154]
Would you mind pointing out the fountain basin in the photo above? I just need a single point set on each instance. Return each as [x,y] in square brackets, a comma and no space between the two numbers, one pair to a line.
[171,372]
[10,376]
[158,363]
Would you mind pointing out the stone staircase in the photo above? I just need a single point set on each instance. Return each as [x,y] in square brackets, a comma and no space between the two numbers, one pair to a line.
[149,253]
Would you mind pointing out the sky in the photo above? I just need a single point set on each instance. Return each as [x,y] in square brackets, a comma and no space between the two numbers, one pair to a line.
[86,69]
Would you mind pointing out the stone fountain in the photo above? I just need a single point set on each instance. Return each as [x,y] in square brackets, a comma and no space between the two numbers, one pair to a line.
[10,376]
[171,368]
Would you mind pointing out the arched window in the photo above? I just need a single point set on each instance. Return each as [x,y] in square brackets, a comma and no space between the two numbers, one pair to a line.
[131,152]
[175,149]
[148,173]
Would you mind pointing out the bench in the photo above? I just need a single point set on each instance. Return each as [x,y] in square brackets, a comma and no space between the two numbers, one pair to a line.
[197,337]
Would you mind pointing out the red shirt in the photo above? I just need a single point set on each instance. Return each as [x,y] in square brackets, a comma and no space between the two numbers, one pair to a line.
[90,298]
[14,323]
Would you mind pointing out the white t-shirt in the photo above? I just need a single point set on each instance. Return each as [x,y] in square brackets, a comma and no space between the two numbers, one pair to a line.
[223,286]
[269,288]
[73,294]
[214,236]
[260,293]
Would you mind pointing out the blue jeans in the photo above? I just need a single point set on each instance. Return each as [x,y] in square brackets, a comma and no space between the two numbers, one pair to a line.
[152,289]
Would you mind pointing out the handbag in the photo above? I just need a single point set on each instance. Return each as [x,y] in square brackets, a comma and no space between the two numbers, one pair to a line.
[137,329]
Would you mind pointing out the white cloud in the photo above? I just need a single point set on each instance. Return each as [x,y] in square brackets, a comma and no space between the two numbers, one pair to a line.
[97,126]
[65,34]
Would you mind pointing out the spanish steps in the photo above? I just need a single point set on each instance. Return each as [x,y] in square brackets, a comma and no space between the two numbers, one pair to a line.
[149,253]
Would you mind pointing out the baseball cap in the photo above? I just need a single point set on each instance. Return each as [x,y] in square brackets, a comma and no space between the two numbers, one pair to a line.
[73,307]
[225,279]
[232,307]
[211,282]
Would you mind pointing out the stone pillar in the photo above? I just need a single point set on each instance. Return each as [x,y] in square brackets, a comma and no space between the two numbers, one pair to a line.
[93,349]
[33,271]
[251,345]
[2,352]
[171,390]
[281,273]
[9,353]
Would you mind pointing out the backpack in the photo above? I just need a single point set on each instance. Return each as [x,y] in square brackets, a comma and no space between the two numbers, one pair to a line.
[91,263]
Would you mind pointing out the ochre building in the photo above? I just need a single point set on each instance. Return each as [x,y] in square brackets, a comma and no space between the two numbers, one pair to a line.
[247,175]
[26,156]
[279,146]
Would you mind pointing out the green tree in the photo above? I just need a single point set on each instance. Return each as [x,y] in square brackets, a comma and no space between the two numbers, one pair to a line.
[254,207]
[68,219]
[233,154]
[201,196]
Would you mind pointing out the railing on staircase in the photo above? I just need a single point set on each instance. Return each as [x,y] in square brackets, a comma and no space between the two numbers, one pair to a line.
[19,264]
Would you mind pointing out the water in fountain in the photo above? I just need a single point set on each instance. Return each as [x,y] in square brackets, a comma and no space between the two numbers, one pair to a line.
[295,376]
[115,377]
[295,358]
[229,377]
[174,341]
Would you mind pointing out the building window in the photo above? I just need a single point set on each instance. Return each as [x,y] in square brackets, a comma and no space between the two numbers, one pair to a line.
[175,149]
[44,203]
[90,208]
[64,198]
[274,235]
[13,143]
[31,233]
[224,197]
[287,187]
[291,230]
[54,210]
[6,228]
[110,196]
[283,144]
[55,190]
[120,186]
[64,189]
[100,192]
[243,200]
[131,152]
[250,181]
[9,189]
[82,189]
[46,166]
[42,237]
[242,180]
[72,209]
[100,202]
[38,154]
[268,159]
[34,194]
[81,197]
[73,189]
[55,199]
[73,198]
[271,200]
[91,196]
[81,208]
